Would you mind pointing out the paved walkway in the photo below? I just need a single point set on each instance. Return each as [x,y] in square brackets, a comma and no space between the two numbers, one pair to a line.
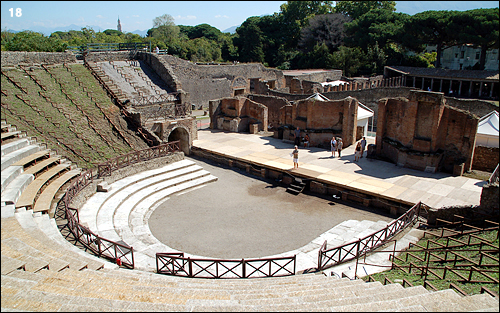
[374,177]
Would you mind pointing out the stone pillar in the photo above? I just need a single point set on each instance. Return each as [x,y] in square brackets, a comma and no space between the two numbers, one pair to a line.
[460,88]
[423,80]
[470,88]
[441,85]
[414,81]
[491,90]
[480,89]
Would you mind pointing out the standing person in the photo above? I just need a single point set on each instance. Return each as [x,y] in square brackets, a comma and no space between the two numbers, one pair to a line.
[295,154]
[357,152]
[333,146]
[363,145]
[339,145]
[157,50]
[297,136]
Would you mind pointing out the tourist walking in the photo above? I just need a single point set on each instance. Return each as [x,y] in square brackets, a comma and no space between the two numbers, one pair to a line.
[295,155]
[339,146]
[363,145]
[297,136]
[157,50]
[333,146]
[357,152]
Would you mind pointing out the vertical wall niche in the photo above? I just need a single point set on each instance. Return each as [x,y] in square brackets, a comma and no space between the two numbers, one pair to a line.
[424,120]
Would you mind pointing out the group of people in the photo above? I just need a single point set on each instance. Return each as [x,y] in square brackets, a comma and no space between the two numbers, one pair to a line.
[336,145]
[360,148]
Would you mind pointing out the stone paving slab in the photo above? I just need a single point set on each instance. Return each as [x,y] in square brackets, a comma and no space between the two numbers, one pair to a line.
[374,176]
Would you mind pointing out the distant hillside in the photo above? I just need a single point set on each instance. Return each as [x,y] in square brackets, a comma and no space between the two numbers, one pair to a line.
[231,30]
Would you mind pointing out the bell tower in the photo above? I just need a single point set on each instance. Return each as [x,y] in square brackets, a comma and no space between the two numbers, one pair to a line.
[119,27]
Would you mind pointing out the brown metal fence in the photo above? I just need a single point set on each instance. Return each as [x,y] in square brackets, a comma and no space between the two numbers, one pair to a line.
[120,253]
[177,265]
[105,168]
[331,257]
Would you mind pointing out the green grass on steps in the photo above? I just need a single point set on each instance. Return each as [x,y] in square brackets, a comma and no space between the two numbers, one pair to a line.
[415,279]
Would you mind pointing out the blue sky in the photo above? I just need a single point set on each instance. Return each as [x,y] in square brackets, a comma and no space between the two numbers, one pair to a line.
[138,15]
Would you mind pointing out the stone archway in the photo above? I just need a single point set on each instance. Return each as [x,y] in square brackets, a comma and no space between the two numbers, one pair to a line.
[181,134]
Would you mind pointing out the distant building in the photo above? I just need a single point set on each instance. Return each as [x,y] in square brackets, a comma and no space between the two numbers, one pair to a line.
[465,57]
[453,83]
[119,27]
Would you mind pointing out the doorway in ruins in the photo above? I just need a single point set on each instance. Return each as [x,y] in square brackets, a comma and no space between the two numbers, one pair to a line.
[182,135]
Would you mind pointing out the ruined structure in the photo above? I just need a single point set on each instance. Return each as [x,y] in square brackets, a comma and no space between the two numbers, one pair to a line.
[238,114]
[424,133]
[321,119]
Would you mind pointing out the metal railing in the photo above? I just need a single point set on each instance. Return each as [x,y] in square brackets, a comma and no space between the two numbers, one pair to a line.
[494,176]
[99,47]
[176,264]
[122,254]
[340,254]
[105,168]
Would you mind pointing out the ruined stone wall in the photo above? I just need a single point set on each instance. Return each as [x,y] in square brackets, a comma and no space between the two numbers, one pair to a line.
[163,69]
[368,97]
[273,105]
[13,58]
[485,158]
[208,82]
[236,114]
[478,107]
[423,133]
[322,120]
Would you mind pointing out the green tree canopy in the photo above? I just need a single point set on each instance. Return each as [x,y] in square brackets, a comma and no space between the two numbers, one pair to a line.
[432,28]
[356,9]
[323,28]
[480,28]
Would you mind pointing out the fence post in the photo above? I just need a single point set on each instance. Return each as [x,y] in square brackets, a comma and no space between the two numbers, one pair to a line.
[190,265]
[244,272]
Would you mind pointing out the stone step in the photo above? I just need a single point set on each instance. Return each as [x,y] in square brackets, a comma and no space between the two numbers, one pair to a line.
[13,191]
[9,265]
[105,216]
[9,174]
[17,155]
[13,146]
[123,215]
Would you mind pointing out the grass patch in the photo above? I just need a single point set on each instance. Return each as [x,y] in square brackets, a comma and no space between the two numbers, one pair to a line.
[439,259]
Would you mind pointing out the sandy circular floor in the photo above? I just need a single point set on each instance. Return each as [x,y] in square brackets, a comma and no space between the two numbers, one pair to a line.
[241,216]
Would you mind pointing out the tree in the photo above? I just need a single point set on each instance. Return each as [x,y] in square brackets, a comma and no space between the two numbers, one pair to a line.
[33,41]
[356,9]
[480,28]
[376,26]
[324,28]
[349,60]
[163,20]
[249,41]
[434,28]
[164,30]
[203,30]
[294,15]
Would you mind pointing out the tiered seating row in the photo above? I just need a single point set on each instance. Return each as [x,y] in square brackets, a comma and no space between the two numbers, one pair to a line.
[120,214]
[72,290]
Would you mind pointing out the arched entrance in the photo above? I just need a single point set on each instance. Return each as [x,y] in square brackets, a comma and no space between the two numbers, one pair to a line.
[182,135]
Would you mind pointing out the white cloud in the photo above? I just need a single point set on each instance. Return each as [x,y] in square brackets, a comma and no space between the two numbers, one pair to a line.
[100,16]
[135,15]
[81,19]
[219,16]
[188,17]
